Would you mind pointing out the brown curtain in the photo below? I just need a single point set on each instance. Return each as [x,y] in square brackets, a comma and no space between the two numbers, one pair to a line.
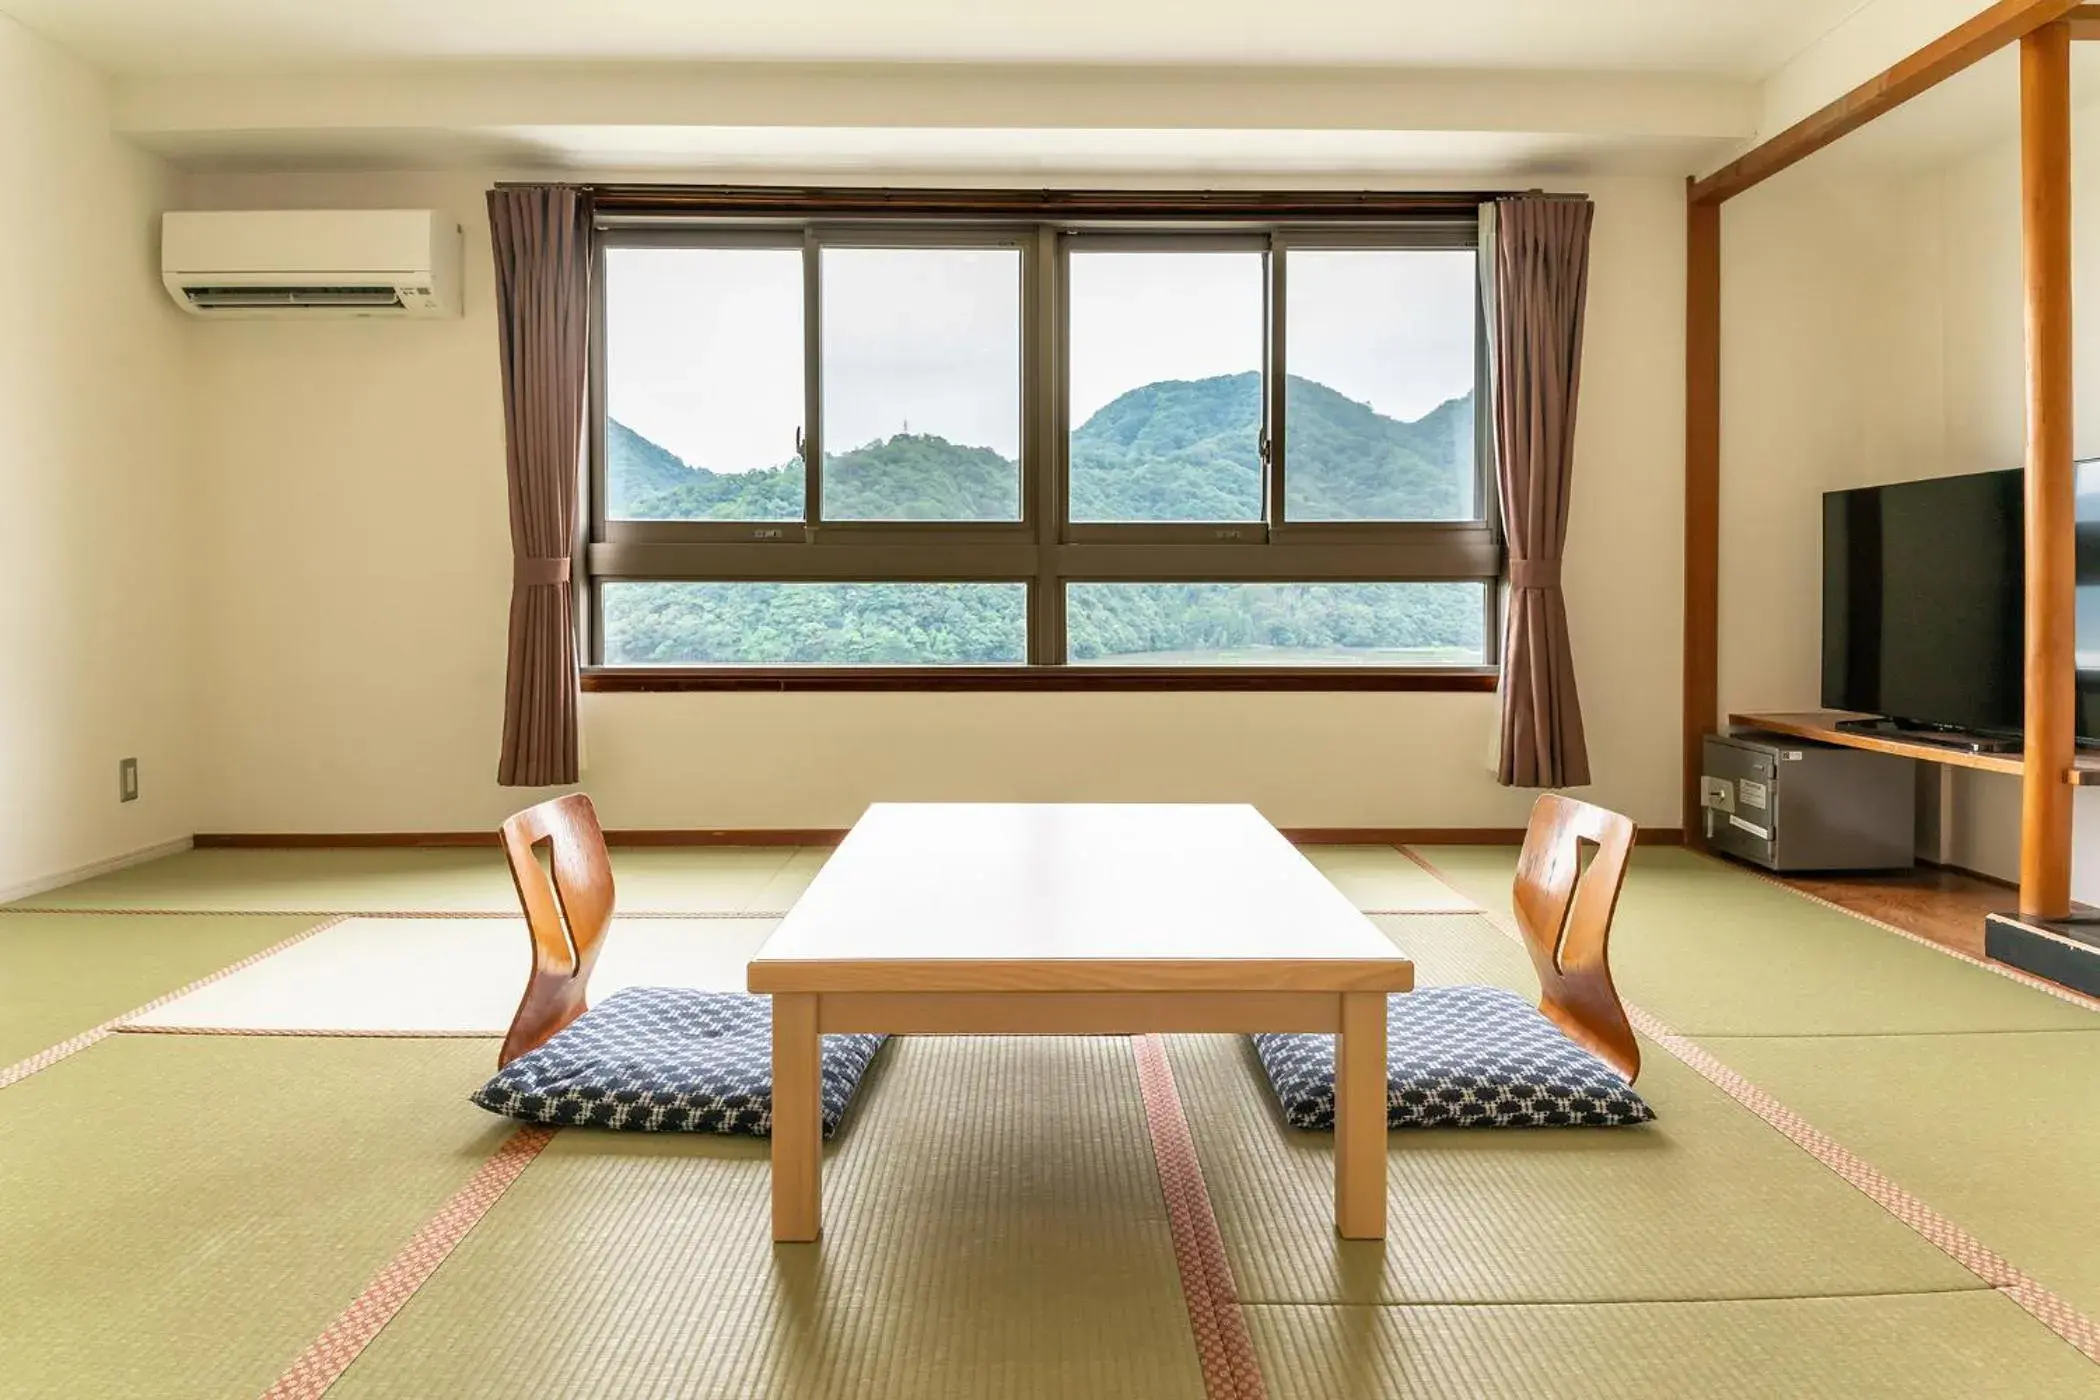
[541,238]
[1538,251]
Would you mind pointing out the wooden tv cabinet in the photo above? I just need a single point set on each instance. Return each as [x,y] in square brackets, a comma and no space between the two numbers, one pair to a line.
[1821,726]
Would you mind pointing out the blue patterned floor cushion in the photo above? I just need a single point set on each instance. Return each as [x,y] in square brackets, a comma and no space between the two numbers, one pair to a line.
[668,1060]
[1460,1057]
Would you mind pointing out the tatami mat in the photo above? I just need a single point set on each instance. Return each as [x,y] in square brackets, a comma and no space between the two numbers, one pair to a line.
[677,880]
[449,975]
[1926,1346]
[61,974]
[993,1227]
[1381,877]
[2000,1133]
[1718,951]
[1458,948]
[682,880]
[180,1215]
[1706,1202]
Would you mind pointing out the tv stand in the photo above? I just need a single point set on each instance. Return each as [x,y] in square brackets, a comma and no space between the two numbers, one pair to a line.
[1829,727]
[1945,736]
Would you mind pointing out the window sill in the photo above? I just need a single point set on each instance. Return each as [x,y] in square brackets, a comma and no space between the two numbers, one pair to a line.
[629,679]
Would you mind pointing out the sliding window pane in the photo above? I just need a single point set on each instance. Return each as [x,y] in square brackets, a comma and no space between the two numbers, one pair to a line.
[1378,406]
[703,383]
[1166,385]
[922,383]
[1276,624]
[814,624]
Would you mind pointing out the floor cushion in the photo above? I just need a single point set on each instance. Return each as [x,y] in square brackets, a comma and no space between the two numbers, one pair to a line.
[668,1060]
[1460,1057]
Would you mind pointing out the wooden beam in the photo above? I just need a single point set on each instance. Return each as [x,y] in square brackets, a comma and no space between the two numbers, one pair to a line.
[1702,496]
[2045,204]
[2084,22]
[1979,38]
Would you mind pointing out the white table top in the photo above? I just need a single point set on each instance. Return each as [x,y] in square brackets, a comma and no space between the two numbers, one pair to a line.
[1073,896]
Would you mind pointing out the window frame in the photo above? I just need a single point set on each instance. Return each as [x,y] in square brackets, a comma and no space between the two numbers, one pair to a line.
[1043,549]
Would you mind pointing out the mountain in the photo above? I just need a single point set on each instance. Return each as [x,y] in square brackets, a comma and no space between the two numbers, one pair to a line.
[645,482]
[1176,450]
[1190,450]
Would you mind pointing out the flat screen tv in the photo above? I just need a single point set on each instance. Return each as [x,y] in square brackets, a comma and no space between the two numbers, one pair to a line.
[1923,613]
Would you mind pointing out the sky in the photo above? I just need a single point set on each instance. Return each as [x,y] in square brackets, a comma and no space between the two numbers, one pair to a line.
[704,346]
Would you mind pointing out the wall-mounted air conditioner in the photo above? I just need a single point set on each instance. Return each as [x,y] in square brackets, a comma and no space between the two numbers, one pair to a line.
[311,262]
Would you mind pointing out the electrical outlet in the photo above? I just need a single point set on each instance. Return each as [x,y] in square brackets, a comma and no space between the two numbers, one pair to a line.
[127,780]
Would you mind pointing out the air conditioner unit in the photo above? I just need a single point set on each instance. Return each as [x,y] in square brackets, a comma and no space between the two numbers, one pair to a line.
[311,262]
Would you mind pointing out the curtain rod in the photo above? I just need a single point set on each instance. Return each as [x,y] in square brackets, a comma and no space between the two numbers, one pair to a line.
[864,201]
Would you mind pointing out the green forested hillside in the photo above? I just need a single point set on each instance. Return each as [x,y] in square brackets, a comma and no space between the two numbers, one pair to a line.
[1178,450]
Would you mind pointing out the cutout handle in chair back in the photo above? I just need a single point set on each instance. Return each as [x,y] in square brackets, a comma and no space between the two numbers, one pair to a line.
[568,906]
[1568,880]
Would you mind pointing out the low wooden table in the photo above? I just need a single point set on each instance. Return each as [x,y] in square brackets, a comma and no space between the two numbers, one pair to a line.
[962,919]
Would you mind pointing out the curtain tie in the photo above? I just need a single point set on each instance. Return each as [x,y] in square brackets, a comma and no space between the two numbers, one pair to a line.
[1534,573]
[529,572]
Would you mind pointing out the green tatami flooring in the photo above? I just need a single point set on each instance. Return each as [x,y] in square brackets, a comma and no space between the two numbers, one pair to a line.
[2001,1133]
[1716,951]
[181,1215]
[1977,1094]
[61,974]
[467,880]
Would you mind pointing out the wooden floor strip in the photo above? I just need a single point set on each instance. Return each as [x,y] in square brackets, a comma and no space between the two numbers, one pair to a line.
[2056,1313]
[51,1055]
[330,1354]
[1230,1370]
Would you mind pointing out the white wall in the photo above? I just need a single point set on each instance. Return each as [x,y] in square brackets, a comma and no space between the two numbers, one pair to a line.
[1975,205]
[1873,332]
[1825,359]
[98,535]
[354,593]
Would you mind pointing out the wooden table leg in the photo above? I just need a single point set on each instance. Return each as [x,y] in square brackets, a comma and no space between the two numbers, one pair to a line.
[1359,1117]
[798,1123]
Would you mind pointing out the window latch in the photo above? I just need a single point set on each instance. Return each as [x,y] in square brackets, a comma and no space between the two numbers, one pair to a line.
[798,442]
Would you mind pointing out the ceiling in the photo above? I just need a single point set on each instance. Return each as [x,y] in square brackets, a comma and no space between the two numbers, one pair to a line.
[728,152]
[1743,39]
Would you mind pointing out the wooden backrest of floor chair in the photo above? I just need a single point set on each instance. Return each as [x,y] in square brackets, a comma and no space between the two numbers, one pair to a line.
[566,915]
[1564,905]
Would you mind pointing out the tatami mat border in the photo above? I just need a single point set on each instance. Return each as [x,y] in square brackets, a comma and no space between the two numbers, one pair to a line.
[330,1354]
[1223,1344]
[2050,1309]
[51,1055]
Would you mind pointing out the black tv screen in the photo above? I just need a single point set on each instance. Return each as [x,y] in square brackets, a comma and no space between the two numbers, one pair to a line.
[1922,601]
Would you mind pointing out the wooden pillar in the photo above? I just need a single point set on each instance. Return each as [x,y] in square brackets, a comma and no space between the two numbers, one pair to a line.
[1702,494]
[2045,205]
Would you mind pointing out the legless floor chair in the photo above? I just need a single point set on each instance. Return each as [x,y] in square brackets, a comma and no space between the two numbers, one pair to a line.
[648,1059]
[1482,1057]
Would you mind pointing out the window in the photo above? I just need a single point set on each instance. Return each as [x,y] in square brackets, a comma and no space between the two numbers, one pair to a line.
[1381,359]
[1277,624]
[820,624]
[703,384]
[1011,449]
[922,383]
[1165,400]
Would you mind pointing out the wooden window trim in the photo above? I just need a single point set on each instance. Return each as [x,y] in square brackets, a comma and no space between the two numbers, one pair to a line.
[651,679]
[1042,550]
